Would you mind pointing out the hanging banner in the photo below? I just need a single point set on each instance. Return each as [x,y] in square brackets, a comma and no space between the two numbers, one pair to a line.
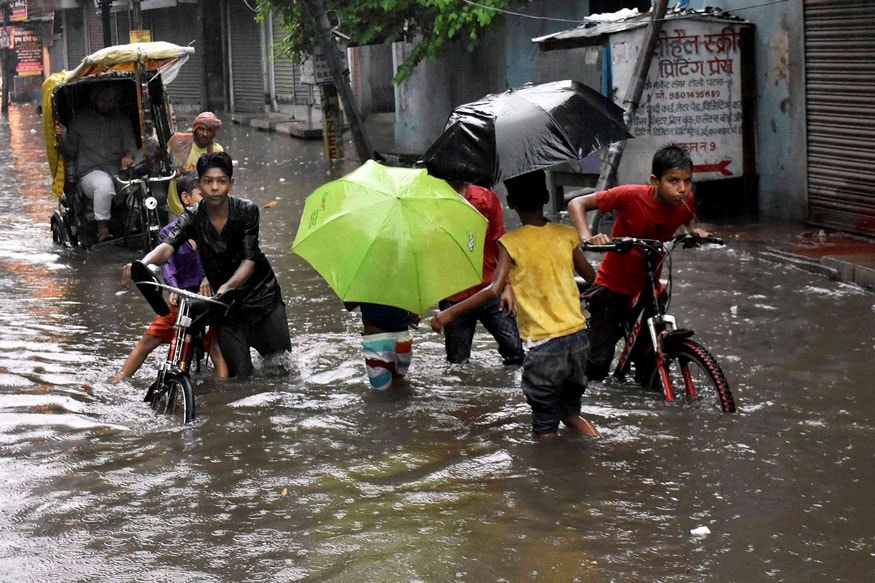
[28,51]
[18,10]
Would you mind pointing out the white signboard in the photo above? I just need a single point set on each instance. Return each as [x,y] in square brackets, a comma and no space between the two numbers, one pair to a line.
[315,70]
[692,97]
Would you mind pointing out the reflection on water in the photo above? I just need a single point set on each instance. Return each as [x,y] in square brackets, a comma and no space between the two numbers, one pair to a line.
[312,478]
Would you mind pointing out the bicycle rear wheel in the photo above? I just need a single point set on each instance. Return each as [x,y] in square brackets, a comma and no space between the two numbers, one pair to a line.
[696,375]
[175,398]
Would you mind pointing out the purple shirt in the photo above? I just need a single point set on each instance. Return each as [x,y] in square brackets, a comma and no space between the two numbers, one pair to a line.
[183,269]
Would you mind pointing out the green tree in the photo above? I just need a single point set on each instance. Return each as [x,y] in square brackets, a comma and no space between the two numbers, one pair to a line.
[429,24]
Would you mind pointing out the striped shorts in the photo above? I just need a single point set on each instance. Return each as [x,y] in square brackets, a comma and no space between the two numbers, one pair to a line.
[387,356]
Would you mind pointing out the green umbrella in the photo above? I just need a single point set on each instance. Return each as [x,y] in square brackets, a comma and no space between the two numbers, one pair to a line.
[392,236]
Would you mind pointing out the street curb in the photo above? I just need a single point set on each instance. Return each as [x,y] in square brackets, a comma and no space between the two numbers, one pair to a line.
[832,267]
[810,265]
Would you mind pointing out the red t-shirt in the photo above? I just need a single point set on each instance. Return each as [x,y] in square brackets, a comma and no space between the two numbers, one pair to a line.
[638,214]
[485,201]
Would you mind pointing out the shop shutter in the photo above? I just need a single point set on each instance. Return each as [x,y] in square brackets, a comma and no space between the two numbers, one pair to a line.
[178,25]
[840,102]
[74,28]
[245,53]
[287,75]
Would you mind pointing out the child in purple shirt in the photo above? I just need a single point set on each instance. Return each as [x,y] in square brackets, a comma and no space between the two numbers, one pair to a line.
[182,270]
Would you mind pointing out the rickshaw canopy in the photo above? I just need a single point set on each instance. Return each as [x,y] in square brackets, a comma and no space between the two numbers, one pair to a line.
[163,57]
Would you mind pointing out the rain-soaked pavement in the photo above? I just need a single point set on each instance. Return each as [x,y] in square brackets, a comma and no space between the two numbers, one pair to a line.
[311,478]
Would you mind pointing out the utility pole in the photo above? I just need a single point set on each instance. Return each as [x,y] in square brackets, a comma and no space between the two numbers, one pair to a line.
[314,10]
[6,57]
[136,15]
[608,176]
[104,6]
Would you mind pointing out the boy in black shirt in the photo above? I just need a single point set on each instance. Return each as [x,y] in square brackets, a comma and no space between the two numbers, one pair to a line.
[226,231]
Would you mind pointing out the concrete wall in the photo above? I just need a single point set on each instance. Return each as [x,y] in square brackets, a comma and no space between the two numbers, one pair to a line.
[371,70]
[780,113]
[506,58]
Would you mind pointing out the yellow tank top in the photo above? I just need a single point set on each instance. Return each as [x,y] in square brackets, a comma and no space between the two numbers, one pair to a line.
[542,275]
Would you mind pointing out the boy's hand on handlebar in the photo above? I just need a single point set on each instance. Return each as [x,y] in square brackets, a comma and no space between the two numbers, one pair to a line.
[598,239]
[127,161]
[206,289]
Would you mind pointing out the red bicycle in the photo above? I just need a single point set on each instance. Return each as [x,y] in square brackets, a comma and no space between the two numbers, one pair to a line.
[172,392]
[668,360]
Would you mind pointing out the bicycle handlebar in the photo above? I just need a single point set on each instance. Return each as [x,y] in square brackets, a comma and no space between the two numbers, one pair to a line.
[193,296]
[623,244]
[145,179]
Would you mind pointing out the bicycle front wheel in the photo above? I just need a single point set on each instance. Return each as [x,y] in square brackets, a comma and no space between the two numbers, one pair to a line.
[695,373]
[175,398]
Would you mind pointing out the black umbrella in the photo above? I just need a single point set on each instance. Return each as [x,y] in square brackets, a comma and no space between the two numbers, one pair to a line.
[533,127]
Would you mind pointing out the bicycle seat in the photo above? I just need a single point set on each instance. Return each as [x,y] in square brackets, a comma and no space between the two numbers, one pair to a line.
[147,284]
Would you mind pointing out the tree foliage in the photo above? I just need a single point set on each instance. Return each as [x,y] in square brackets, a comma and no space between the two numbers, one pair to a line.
[428,24]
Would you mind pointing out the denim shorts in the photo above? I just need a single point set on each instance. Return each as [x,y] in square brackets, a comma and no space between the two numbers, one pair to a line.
[553,379]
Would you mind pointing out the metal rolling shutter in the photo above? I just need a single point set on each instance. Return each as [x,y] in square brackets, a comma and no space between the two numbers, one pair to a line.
[245,52]
[288,75]
[175,25]
[840,101]
[75,34]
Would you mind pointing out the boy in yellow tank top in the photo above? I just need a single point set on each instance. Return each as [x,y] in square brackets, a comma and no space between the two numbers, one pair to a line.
[539,260]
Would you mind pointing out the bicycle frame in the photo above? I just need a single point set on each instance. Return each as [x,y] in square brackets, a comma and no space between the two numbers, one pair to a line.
[183,345]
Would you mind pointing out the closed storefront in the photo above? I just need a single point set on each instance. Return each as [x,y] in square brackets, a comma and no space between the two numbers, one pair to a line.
[247,80]
[288,88]
[179,26]
[840,102]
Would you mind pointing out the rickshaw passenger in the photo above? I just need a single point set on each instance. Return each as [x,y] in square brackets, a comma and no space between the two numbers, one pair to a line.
[102,141]
[186,149]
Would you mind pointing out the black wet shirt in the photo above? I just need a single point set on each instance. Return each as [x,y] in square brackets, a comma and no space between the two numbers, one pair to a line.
[222,253]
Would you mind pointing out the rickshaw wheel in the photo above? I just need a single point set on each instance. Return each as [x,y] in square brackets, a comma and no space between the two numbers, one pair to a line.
[60,233]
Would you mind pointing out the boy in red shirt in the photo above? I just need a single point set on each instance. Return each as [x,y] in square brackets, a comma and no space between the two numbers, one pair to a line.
[653,211]
[459,335]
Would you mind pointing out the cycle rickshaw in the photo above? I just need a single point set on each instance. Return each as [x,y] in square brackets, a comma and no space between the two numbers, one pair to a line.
[139,73]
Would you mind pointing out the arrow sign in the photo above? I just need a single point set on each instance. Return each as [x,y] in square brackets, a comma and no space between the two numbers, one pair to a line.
[718,167]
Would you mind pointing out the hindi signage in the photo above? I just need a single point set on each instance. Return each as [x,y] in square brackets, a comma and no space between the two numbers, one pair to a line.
[693,96]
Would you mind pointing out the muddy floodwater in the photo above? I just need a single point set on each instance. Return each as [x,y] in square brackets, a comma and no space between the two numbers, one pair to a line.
[310,477]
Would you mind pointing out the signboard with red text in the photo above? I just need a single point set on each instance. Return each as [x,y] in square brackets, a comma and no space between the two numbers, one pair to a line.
[693,96]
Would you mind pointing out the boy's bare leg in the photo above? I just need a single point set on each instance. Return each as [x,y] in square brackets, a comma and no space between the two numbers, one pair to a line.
[547,436]
[582,425]
[137,357]
[218,361]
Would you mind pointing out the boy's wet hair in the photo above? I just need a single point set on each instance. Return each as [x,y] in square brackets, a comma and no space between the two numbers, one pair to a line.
[219,160]
[528,192]
[668,157]
[187,183]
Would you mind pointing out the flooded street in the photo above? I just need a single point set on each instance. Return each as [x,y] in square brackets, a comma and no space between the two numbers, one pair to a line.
[313,478]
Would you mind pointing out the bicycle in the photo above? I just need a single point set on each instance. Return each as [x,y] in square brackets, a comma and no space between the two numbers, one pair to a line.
[671,360]
[172,393]
[137,189]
